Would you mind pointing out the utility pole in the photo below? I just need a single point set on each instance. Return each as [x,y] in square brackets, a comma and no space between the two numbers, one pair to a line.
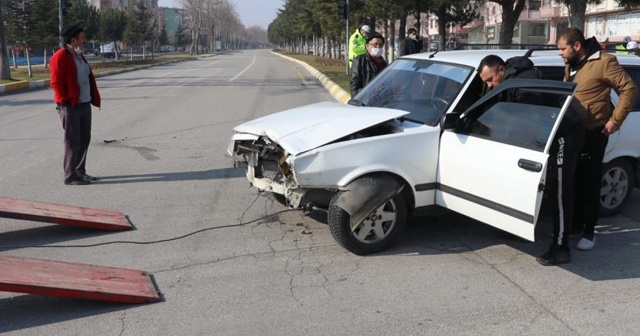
[345,13]
[60,21]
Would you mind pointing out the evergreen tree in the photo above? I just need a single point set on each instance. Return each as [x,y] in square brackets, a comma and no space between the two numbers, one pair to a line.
[140,26]
[164,39]
[31,23]
[112,25]
[80,12]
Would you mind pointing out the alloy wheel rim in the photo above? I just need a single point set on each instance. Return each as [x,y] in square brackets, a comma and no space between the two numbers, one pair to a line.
[615,185]
[378,225]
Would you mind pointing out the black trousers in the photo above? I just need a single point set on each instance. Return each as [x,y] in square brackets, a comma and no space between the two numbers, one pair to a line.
[76,123]
[588,181]
[563,159]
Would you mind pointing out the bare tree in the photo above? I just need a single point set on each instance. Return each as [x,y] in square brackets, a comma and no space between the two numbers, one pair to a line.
[195,10]
[210,21]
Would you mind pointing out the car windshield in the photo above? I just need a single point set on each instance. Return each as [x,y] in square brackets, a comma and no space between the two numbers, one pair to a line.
[422,87]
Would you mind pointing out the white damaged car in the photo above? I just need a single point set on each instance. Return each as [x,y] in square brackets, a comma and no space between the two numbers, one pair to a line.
[422,135]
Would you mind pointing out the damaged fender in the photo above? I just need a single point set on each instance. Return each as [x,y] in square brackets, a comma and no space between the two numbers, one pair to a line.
[366,194]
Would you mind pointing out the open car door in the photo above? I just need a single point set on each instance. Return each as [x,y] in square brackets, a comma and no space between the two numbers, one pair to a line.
[492,166]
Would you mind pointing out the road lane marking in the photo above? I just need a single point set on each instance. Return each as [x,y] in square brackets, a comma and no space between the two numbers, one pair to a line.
[245,69]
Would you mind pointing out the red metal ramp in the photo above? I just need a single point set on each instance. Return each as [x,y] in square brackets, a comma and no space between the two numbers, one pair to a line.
[63,214]
[78,281]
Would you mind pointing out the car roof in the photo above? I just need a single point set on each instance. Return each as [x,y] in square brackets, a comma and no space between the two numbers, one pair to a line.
[472,58]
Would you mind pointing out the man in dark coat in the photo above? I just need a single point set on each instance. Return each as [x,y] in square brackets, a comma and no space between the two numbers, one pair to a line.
[412,44]
[368,65]
[563,155]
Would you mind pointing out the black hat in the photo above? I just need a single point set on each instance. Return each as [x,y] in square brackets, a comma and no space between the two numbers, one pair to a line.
[374,35]
[70,32]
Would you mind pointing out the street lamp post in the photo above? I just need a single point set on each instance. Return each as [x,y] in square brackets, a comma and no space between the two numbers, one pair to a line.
[346,45]
[60,22]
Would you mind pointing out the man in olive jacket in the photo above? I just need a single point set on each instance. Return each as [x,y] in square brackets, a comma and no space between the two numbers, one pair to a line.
[596,73]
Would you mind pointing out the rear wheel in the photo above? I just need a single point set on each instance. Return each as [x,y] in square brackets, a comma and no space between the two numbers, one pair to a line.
[375,233]
[617,186]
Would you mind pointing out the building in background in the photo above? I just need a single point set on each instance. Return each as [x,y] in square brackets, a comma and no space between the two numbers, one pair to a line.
[606,21]
[170,18]
[124,4]
[539,23]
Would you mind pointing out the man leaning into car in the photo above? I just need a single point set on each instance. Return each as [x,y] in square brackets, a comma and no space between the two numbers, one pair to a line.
[563,154]
[596,73]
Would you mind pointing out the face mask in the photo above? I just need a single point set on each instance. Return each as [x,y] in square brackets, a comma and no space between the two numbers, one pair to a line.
[377,52]
[413,37]
[79,50]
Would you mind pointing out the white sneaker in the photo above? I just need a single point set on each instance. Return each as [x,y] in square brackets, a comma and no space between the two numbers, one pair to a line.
[585,244]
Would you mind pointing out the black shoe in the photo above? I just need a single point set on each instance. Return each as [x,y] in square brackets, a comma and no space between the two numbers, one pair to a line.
[72,181]
[556,255]
[88,177]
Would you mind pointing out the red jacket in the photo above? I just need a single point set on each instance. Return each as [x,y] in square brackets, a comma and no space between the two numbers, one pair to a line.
[64,79]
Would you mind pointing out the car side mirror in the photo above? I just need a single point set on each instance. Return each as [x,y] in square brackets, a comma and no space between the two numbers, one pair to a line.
[450,121]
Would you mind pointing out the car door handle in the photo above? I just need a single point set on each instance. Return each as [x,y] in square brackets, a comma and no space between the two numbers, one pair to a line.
[530,165]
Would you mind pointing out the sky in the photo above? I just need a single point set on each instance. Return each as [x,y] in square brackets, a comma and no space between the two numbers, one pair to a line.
[252,12]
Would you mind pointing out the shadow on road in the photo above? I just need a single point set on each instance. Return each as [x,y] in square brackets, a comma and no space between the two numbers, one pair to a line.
[46,235]
[48,310]
[615,257]
[23,102]
[211,174]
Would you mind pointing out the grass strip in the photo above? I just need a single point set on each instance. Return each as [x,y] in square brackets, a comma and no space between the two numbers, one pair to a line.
[330,67]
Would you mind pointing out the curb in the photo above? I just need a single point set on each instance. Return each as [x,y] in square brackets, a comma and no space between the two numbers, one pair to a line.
[42,83]
[334,89]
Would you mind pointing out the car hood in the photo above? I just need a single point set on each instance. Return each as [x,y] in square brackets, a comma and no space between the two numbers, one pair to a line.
[304,128]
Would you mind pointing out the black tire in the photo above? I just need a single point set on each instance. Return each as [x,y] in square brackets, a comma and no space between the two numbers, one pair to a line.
[617,186]
[340,226]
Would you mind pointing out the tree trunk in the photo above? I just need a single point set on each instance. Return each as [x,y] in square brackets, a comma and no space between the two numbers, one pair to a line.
[26,50]
[402,31]
[442,26]
[13,55]
[392,38]
[5,71]
[372,23]
[323,47]
[577,10]
[510,14]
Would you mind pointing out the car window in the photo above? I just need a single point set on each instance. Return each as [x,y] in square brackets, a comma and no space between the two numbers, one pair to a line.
[522,125]
[477,88]
[424,88]
[557,73]
[554,73]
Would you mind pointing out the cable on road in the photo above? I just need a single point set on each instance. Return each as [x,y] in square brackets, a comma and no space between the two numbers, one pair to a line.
[153,241]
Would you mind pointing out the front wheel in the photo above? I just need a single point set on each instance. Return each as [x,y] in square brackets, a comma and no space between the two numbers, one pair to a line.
[375,233]
[617,186]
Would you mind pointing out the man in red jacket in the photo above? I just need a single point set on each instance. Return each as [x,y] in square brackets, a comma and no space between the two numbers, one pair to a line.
[74,91]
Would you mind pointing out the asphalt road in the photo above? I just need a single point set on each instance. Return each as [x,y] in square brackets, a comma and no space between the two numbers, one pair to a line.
[159,144]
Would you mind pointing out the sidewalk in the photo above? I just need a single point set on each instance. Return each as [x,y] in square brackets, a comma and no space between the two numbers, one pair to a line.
[22,86]
[337,92]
